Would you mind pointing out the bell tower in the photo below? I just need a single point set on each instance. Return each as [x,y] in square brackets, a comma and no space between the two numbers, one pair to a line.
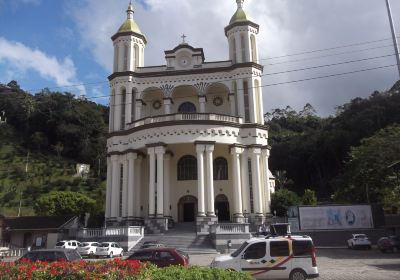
[129,44]
[242,37]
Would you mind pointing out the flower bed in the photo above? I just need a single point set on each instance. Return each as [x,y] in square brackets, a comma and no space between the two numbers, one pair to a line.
[111,270]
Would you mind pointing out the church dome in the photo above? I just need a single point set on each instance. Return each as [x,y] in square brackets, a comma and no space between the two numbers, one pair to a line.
[239,16]
[130,26]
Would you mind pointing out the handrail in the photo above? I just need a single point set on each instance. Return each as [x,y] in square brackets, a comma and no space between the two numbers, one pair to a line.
[186,116]
[229,228]
[111,231]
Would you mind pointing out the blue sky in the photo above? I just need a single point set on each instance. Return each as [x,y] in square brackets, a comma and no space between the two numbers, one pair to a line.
[59,43]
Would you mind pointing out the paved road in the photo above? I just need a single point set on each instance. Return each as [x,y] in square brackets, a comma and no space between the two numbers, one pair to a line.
[344,264]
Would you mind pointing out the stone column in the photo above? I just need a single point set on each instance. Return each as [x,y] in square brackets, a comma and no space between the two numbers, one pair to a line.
[260,97]
[160,151]
[202,102]
[240,98]
[124,162]
[167,106]
[200,180]
[109,188]
[245,182]
[131,185]
[237,190]
[267,202]
[115,186]
[256,178]
[138,187]
[247,47]
[232,104]
[152,162]
[112,109]
[167,195]
[210,180]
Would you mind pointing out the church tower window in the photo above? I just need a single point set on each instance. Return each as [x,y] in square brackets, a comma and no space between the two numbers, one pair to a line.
[187,107]
[233,44]
[136,55]
[126,57]
[116,58]
[220,169]
[187,168]
[253,48]
[133,105]
[123,102]
[246,101]
[243,47]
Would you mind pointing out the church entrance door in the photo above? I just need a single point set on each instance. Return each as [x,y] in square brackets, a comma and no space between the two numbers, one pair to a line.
[187,209]
[222,208]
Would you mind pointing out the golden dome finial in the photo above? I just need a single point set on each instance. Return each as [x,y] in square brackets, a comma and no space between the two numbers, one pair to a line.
[130,10]
[240,3]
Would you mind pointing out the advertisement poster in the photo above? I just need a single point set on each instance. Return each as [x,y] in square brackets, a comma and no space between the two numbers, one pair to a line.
[336,217]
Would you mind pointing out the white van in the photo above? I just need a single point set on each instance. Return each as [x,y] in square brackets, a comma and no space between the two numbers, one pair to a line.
[283,257]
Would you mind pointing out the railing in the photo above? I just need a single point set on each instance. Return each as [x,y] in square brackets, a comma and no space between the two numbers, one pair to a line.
[184,117]
[229,228]
[112,231]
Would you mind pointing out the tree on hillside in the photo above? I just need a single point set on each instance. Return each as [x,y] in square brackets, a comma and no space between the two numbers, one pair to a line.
[64,203]
[367,175]
[309,197]
[281,200]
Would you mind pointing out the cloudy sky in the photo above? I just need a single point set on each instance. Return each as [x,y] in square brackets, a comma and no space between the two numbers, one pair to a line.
[63,43]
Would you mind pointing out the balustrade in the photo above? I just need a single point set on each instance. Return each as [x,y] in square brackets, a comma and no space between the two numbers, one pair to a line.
[230,228]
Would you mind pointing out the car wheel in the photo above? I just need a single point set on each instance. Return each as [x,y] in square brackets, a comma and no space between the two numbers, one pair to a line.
[298,274]
[111,255]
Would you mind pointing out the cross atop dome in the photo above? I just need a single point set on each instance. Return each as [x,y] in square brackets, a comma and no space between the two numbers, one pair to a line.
[183,38]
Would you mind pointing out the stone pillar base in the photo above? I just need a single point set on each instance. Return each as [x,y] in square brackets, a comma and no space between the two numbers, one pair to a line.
[239,219]
[156,225]
[112,222]
[203,224]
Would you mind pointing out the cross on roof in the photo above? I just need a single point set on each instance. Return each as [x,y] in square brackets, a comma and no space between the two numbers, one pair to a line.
[183,38]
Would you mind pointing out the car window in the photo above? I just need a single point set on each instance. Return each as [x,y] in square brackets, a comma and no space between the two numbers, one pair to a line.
[104,245]
[73,243]
[116,245]
[84,244]
[279,248]
[255,251]
[69,243]
[302,247]
[95,244]
[240,249]
[142,256]
[32,256]
[61,243]
[46,256]
[182,254]
[163,256]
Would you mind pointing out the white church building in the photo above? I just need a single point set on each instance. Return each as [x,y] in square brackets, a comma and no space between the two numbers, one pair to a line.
[187,140]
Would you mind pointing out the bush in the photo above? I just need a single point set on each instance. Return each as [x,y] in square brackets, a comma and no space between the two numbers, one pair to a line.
[111,270]
[281,200]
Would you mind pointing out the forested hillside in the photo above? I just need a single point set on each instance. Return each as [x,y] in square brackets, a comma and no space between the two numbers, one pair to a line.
[321,153]
[48,133]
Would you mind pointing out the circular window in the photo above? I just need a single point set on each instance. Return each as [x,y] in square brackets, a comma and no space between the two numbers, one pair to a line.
[217,101]
[157,104]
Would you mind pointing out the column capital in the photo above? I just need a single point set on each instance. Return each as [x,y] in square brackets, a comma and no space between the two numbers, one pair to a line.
[114,158]
[202,99]
[160,150]
[200,148]
[168,101]
[132,156]
[209,148]
[151,151]
[236,150]
[266,152]
[255,151]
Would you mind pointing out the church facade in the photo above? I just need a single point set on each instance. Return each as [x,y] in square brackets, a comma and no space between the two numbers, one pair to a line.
[187,139]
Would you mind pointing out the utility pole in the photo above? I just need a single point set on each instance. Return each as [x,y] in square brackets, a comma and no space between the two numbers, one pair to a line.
[396,46]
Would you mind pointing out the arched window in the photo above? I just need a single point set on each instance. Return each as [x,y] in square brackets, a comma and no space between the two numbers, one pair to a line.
[125,58]
[233,50]
[116,57]
[220,169]
[187,168]
[123,102]
[253,48]
[133,105]
[187,107]
[243,46]
[136,55]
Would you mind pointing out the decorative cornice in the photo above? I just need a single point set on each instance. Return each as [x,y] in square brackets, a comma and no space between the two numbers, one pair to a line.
[129,33]
[153,145]
[185,122]
[186,72]
[204,142]
[241,23]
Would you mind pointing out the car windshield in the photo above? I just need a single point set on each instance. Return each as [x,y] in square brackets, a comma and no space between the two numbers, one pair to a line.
[182,254]
[104,245]
[237,252]
[361,236]
[84,244]
[61,243]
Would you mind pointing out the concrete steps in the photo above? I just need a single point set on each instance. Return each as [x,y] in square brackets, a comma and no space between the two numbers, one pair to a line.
[183,237]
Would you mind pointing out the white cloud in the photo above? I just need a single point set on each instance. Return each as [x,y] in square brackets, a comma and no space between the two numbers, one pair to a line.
[286,26]
[19,59]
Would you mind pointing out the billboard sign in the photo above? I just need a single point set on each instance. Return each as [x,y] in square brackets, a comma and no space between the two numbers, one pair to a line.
[336,217]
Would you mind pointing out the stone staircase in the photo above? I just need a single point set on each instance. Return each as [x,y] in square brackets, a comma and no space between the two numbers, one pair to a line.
[183,236]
